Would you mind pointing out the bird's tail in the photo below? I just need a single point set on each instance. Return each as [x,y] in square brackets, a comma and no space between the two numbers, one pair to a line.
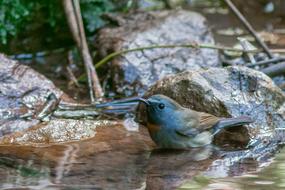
[231,122]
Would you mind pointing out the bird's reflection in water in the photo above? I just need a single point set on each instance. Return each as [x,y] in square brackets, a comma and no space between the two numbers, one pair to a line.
[168,169]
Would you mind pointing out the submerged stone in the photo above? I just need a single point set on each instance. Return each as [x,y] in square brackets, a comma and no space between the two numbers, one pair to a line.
[133,72]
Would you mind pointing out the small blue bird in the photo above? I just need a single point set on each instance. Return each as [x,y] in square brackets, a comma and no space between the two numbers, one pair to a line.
[172,126]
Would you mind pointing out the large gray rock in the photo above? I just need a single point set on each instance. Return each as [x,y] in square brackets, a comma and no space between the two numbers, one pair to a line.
[134,72]
[22,91]
[231,91]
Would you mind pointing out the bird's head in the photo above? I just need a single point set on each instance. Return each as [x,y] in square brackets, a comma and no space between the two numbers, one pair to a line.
[161,109]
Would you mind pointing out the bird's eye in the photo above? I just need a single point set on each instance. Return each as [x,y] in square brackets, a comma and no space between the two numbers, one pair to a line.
[161,106]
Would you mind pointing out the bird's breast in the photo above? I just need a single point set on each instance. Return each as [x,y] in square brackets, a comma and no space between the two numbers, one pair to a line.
[153,128]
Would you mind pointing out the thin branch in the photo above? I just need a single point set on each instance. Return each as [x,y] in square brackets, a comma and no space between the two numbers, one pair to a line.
[72,77]
[249,27]
[277,51]
[70,73]
[193,45]
[275,70]
[266,62]
[73,14]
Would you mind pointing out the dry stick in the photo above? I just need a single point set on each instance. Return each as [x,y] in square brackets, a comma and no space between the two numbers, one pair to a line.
[277,51]
[249,27]
[94,84]
[96,87]
[266,62]
[69,70]
[193,45]
[72,22]
[275,70]
[72,77]
[73,14]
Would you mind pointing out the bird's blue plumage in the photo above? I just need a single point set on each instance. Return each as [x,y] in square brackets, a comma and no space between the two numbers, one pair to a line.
[172,126]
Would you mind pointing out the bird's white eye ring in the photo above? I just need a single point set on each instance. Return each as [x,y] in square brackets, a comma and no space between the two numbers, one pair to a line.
[161,106]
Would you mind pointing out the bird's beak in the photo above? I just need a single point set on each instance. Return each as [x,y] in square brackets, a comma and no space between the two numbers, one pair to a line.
[145,101]
[125,102]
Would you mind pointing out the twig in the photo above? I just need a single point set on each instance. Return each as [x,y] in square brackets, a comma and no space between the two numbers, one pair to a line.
[193,45]
[75,113]
[246,45]
[69,70]
[72,106]
[72,77]
[266,62]
[78,110]
[49,107]
[277,50]
[249,27]
[275,70]
[73,14]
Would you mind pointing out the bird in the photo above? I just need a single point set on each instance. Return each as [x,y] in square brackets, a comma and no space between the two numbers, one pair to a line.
[173,126]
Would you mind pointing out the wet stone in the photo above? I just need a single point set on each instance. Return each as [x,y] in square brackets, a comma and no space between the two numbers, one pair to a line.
[114,159]
[134,72]
[23,92]
[57,131]
[230,92]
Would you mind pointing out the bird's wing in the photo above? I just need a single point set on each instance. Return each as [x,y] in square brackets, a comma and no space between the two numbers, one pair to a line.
[187,132]
[206,121]
[197,122]
[189,126]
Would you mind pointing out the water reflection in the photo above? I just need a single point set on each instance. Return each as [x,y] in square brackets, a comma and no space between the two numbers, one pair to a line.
[170,168]
[115,159]
[66,162]
[118,159]
[17,173]
[112,166]
[269,175]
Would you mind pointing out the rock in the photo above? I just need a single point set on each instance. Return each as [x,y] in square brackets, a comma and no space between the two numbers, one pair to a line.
[57,131]
[230,92]
[114,159]
[23,91]
[134,72]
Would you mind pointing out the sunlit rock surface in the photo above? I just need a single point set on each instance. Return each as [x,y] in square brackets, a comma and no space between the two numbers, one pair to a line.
[134,72]
[57,131]
[23,91]
[227,92]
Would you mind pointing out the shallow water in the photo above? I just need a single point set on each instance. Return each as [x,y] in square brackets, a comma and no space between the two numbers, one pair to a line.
[114,159]
[119,159]
[269,176]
